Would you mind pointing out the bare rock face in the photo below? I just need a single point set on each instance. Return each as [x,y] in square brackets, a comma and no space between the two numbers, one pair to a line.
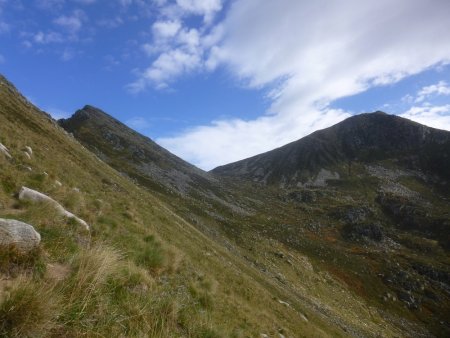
[17,234]
[27,194]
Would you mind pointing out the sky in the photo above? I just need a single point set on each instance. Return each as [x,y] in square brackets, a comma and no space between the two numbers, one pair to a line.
[216,81]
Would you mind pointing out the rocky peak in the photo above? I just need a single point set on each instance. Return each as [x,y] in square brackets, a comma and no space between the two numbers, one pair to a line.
[123,148]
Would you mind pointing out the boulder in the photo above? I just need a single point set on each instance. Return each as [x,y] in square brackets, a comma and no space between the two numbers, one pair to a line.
[27,194]
[19,235]
[4,151]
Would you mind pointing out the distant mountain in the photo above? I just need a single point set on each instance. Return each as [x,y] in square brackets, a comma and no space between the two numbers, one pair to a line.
[329,153]
[132,153]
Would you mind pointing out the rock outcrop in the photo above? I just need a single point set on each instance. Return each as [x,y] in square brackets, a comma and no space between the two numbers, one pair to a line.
[19,235]
[27,194]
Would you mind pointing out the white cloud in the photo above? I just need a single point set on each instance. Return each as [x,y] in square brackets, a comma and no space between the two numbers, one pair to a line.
[309,54]
[440,88]
[178,48]
[205,8]
[225,141]
[49,37]
[166,29]
[72,23]
[167,66]
[433,116]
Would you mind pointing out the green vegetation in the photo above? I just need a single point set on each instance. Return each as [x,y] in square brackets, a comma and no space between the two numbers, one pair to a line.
[220,259]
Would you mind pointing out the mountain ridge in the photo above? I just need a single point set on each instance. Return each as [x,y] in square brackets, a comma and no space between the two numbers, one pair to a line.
[361,138]
[150,161]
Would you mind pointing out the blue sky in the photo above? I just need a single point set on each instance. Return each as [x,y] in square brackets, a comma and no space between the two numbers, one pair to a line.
[215,81]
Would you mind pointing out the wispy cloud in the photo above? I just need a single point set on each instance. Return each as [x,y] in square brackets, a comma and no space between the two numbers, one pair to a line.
[110,22]
[308,54]
[424,106]
[205,8]
[440,88]
[73,22]
[225,141]
[68,54]
[47,37]
[50,5]
[433,116]
[176,48]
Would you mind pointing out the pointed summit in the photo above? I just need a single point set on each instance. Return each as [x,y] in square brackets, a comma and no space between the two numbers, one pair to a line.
[132,153]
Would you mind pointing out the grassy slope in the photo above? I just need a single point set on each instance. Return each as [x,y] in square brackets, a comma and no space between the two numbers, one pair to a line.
[313,229]
[141,271]
[340,270]
[145,270]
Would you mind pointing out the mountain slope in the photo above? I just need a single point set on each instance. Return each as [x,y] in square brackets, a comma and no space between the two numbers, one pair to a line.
[192,192]
[220,258]
[141,270]
[364,138]
[321,221]
[113,142]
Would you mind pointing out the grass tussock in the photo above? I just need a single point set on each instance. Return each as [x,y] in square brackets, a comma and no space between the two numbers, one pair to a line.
[91,270]
[28,309]
[157,257]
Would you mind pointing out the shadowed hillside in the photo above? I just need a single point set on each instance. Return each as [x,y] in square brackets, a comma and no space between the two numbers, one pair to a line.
[365,138]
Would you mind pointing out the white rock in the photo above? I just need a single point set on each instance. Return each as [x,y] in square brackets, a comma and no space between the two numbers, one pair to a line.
[75,189]
[302,316]
[27,155]
[4,151]
[58,183]
[27,194]
[29,150]
[283,302]
[20,235]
